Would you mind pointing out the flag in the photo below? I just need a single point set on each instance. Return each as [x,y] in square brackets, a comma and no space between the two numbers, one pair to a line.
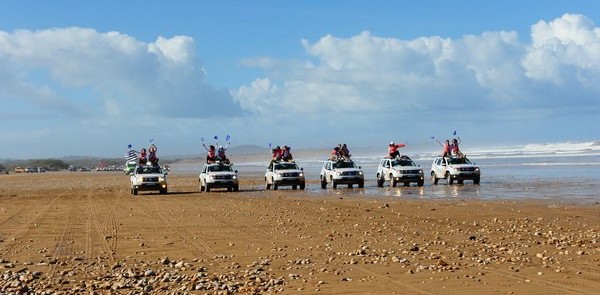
[228,137]
[216,137]
[129,146]
[131,156]
[454,132]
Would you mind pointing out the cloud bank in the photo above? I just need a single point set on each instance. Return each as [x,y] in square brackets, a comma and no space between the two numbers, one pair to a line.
[79,72]
[490,72]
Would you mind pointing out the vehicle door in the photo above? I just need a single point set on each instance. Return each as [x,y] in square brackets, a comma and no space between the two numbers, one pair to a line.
[386,169]
[441,166]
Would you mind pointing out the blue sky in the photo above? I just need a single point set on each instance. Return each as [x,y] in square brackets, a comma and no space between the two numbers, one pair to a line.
[90,77]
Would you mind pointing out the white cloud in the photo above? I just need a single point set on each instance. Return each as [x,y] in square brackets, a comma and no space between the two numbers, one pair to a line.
[565,52]
[491,71]
[82,71]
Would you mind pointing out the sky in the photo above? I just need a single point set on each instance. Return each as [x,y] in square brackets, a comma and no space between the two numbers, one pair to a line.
[87,78]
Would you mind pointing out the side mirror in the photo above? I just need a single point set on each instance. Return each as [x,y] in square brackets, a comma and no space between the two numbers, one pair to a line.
[359,167]
[235,171]
[301,169]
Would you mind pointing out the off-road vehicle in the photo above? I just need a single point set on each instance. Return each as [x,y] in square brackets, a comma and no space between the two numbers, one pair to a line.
[148,178]
[399,170]
[454,169]
[285,174]
[218,175]
[341,172]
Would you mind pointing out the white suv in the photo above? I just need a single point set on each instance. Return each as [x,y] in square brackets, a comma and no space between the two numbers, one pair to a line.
[285,173]
[341,172]
[218,176]
[148,178]
[399,170]
[454,169]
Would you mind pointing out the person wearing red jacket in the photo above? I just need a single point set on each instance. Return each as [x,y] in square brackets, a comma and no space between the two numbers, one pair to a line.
[393,149]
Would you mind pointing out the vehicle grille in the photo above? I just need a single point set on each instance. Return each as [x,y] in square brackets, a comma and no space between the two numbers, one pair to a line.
[470,169]
[150,179]
[223,176]
[350,173]
[410,172]
[291,174]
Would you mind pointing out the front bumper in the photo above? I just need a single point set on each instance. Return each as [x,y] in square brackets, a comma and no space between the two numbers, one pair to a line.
[290,181]
[465,176]
[151,186]
[409,178]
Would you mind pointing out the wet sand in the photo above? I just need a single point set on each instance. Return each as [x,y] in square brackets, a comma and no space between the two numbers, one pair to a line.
[84,232]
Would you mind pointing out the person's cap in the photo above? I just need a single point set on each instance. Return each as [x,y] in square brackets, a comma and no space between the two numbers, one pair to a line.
[392,143]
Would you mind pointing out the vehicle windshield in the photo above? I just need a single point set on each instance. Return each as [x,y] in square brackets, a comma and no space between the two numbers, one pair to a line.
[454,161]
[219,168]
[344,164]
[403,162]
[148,170]
[286,166]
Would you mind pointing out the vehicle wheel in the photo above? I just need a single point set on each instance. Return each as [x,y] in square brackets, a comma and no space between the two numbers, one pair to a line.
[392,181]
[201,188]
[434,180]
[207,188]
[275,186]
[333,184]
[134,191]
[461,182]
[420,183]
[407,184]
[302,186]
[361,184]
[476,180]
[229,189]
[236,188]
[449,178]
[294,187]
[163,191]
[350,185]
[323,183]
[268,184]
[380,181]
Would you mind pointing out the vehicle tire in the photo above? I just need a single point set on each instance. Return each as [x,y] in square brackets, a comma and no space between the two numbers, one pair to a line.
[333,184]
[201,188]
[236,187]
[302,186]
[380,181]
[449,178]
[294,187]
[476,180]
[323,182]
[349,185]
[461,182]
[393,181]
[207,188]
[407,184]
[275,186]
[420,183]
[268,184]
[361,184]
[163,191]
[230,188]
[134,191]
[434,179]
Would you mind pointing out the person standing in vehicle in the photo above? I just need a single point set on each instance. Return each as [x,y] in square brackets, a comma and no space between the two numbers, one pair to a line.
[393,149]
[286,155]
[447,149]
[152,155]
[142,158]
[211,156]
[454,148]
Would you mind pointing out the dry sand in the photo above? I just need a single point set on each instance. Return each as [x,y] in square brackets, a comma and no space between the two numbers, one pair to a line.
[84,232]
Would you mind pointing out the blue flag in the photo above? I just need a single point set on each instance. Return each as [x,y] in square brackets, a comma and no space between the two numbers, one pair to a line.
[228,137]
[454,132]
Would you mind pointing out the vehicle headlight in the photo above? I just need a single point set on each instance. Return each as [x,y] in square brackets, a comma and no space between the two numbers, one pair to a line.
[211,177]
[140,179]
[279,174]
[420,171]
[161,179]
[360,173]
[301,174]
[476,169]
[234,176]
[338,173]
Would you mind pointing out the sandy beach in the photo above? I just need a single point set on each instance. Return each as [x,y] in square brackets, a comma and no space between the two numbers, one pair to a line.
[72,233]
